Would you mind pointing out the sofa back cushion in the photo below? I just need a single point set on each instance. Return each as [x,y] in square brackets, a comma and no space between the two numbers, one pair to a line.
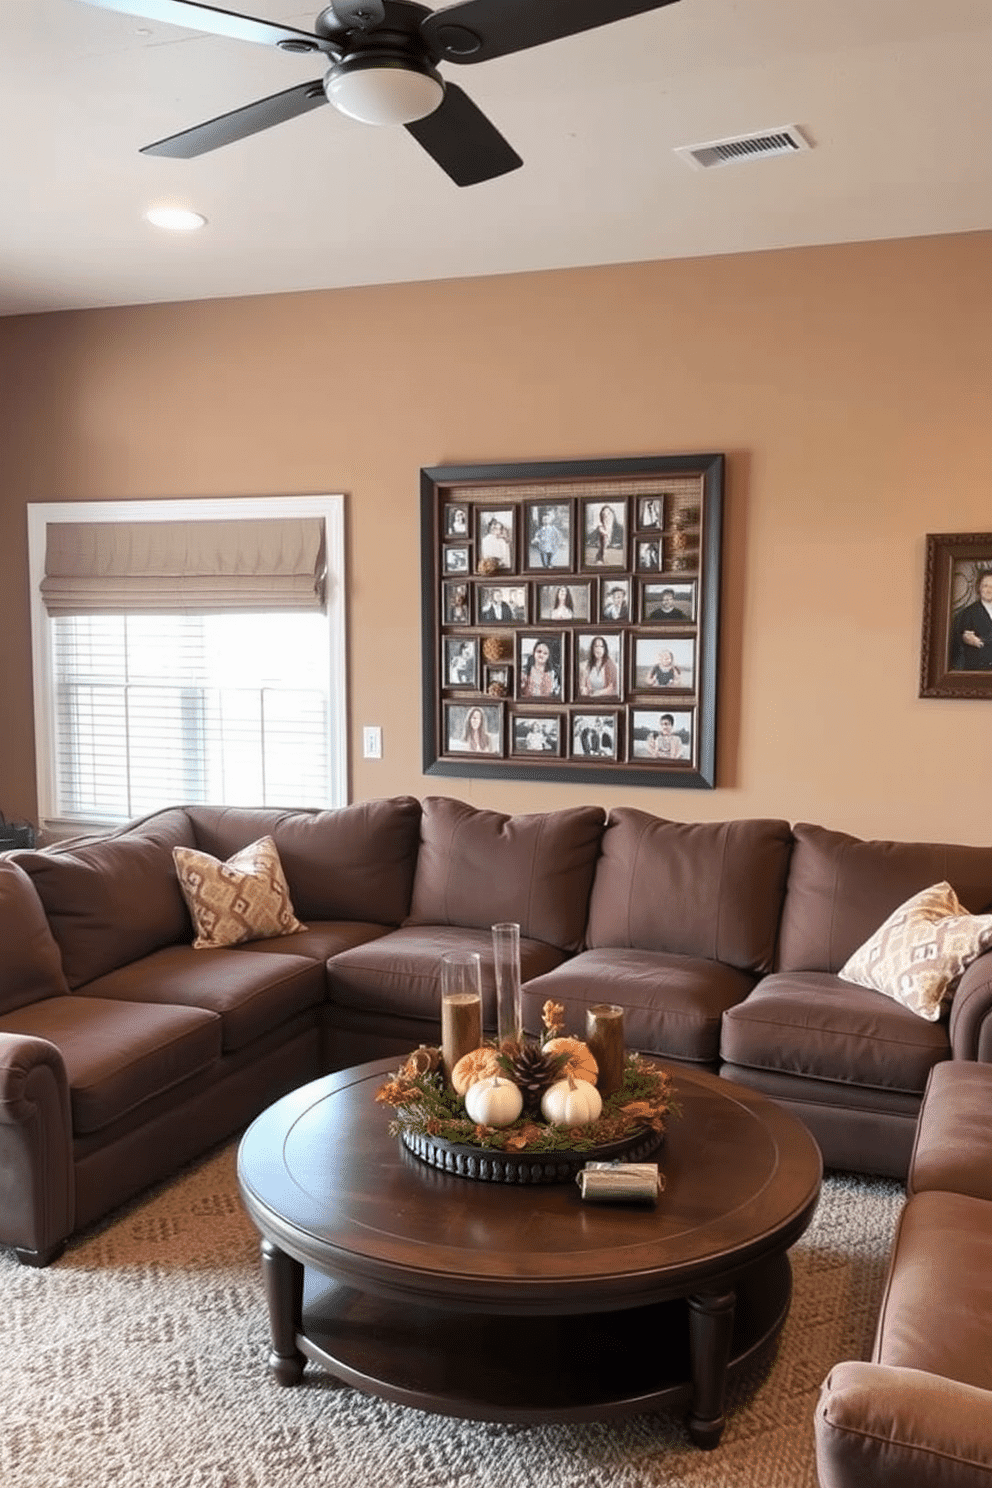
[112,900]
[478,868]
[355,863]
[712,889]
[30,967]
[841,889]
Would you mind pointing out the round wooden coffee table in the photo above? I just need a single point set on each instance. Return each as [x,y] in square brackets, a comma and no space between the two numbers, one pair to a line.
[525,1303]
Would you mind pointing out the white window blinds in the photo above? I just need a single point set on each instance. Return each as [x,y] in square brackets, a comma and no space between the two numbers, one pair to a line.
[189,661]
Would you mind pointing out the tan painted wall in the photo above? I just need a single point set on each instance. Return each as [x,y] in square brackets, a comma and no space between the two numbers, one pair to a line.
[850,387]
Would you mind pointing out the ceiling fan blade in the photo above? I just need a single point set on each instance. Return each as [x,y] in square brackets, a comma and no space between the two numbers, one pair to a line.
[217,22]
[459,137]
[241,123]
[477,30]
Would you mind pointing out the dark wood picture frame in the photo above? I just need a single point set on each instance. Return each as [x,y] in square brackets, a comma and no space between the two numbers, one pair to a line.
[688,493]
[951,664]
[536,734]
[541,555]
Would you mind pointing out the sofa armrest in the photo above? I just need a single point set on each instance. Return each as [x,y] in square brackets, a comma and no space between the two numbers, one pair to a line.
[37,1178]
[901,1428]
[970,1026]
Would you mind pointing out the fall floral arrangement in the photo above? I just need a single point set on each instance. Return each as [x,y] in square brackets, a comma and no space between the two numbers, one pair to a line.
[520,1096]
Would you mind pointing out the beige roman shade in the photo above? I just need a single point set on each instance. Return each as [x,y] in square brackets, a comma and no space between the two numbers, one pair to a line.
[121,567]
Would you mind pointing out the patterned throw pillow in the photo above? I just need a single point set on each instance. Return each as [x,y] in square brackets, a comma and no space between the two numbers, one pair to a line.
[246,898]
[920,952]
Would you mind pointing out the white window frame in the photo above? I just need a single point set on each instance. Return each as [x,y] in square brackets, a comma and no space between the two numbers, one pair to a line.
[329,508]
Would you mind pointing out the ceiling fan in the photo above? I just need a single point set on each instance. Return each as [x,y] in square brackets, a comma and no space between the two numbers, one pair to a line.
[383,67]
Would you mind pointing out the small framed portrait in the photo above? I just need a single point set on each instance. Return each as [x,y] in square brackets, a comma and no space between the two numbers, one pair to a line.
[456,603]
[956,659]
[614,600]
[461,661]
[571,601]
[532,733]
[455,559]
[667,604]
[498,680]
[549,534]
[665,663]
[650,513]
[517,597]
[473,728]
[599,666]
[501,604]
[648,555]
[595,736]
[495,531]
[541,667]
[456,521]
[604,533]
[663,738]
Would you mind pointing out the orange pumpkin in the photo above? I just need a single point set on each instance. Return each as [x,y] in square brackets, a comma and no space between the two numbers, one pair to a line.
[581,1061]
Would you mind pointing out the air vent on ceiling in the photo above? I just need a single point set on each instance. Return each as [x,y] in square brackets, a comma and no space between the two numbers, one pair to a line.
[784,141]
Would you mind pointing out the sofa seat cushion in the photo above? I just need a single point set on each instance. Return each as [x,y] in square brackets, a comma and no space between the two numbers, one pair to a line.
[672,1004]
[952,1150]
[320,940]
[478,868]
[815,1025]
[114,899]
[119,1055]
[30,966]
[937,1310]
[400,974]
[705,889]
[251,995]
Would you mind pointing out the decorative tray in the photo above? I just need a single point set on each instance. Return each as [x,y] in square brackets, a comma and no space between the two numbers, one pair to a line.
[493,1165]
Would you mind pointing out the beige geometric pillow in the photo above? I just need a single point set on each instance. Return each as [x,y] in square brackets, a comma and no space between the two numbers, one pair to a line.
[920,952]
[246,898]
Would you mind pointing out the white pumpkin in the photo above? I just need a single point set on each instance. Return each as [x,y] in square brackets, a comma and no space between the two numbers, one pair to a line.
[581,1061]
[495,1101]
[571,1102]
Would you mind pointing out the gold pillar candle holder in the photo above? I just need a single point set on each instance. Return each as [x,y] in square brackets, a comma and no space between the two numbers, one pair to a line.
[461,1007]
[604,1035]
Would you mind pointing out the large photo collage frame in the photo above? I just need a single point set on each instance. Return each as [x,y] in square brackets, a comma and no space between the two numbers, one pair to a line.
[570,619]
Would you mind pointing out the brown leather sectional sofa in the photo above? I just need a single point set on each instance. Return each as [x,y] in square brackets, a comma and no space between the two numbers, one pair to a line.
[919,1413]
[124,1051]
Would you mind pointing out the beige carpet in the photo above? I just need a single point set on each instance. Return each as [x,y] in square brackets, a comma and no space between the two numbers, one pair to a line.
[137,1361]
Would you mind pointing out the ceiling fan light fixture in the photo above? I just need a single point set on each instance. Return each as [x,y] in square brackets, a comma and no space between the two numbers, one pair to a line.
[377,88]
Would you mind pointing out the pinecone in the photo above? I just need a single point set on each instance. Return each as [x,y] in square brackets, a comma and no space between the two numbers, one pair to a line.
[531,1069]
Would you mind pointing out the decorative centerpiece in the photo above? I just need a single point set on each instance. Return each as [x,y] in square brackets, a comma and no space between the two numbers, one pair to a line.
[518,1111]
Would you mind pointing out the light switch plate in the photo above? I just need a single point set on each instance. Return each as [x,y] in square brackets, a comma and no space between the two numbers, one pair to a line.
[372,741]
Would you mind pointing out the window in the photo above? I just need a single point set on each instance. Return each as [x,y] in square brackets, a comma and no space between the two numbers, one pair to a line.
[154,687]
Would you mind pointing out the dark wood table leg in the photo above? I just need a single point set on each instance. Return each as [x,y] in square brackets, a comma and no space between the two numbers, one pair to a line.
[283,1278]
[711,1327]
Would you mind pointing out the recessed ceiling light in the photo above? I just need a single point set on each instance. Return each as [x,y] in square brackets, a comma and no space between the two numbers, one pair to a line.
[175,219]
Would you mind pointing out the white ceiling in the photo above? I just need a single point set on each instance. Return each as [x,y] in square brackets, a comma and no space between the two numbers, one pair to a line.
[895,95]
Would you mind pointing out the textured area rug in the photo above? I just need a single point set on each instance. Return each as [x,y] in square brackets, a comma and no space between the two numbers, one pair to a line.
[138,1361]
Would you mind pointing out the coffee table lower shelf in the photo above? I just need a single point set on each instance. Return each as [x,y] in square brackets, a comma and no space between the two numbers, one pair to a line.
[577,1367]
